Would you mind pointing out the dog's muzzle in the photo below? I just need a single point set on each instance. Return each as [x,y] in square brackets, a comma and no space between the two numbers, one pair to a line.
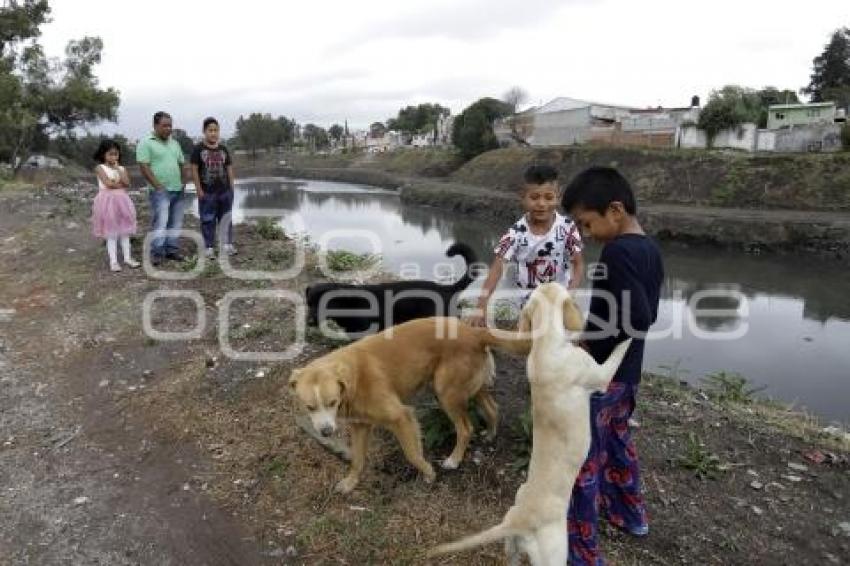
[326,430]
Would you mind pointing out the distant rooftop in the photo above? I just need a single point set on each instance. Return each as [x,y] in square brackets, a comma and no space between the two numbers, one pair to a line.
[793,106]
[565,103]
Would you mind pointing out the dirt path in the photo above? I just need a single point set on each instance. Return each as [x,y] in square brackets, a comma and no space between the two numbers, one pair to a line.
[83,477]
[118,449]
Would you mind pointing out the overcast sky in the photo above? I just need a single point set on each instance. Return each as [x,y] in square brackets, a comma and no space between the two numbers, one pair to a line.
[326,61]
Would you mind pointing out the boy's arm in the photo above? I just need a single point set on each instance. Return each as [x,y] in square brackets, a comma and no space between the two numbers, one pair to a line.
[576,270]
[493,276]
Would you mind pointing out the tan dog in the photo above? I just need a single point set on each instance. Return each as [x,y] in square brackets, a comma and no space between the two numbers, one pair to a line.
[562,377]
[369,381]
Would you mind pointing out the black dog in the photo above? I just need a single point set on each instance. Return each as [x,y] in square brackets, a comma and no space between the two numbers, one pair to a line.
[366,309]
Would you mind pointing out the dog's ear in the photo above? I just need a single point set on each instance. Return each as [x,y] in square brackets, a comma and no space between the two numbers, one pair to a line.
[573,320]
[344,376]
[293,378]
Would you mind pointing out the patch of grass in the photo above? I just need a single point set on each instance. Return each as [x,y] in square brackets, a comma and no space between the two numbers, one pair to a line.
[189,263]
[342,260]
[727,387]
[278,256]
[363,535]
[698,458]
[276,467]
[268,229]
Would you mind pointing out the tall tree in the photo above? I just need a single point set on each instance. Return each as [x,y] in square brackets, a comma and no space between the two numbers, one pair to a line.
[830,79]
[316,136]
[258,131]
[336,132]
[40,98]
[377,130]
[515,97]
[472,132]
[418,119]
[181,137]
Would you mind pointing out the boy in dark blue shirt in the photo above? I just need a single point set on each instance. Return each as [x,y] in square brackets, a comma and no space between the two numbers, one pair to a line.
[627,283]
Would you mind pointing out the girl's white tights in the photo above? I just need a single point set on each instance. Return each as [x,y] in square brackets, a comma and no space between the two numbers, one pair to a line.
[112,250]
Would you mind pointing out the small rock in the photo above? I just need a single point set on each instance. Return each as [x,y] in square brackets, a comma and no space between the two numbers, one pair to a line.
[81,500]
[757,510]
[757,485]
[844,528]
[147,374]
[358,508]
[81,294]
[753,473]
[792,478]
[186,487]
[103,383]
[260,374]
[70,250]
[798,467]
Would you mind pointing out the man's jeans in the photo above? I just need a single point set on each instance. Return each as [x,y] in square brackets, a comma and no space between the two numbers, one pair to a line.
[167,209]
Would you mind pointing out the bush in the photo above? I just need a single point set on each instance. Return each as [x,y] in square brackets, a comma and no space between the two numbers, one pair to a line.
[845,137]
[268,229]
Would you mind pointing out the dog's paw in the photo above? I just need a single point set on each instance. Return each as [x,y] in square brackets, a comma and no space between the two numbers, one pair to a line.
[345,485]
[450,463]
[429,474]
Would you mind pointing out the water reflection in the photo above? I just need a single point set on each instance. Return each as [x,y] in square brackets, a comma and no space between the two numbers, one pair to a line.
[796,312]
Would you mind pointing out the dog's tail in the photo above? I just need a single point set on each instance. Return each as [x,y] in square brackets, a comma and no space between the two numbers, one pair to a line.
[470,258]
[493,534]
[512,342]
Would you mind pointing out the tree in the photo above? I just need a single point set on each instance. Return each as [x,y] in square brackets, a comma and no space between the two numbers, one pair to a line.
[317,137]
[41,98]
[472,132]
[831,70]
[335,132]
[257,131]
[181,137]
[285,131]
[417,119]
[729,107]
[377,130]
[515,97]
[81,150]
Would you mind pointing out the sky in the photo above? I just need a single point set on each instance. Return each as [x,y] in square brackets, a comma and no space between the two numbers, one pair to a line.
[327,61]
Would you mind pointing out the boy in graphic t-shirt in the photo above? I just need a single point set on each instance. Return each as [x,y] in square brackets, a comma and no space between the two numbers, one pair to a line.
[543,245]
[212,172]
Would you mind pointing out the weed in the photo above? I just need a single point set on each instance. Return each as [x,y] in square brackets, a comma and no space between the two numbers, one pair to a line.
[730,387]
[697,458]
[268,229]
[438,431]
[342,260]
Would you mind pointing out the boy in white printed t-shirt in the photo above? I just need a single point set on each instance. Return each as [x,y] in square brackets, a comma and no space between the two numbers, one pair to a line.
[543,245]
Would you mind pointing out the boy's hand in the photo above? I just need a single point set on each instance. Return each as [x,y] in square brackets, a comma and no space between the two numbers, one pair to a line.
[477,320]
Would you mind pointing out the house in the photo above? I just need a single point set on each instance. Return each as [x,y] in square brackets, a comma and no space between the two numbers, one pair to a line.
[570,121]
[791,115]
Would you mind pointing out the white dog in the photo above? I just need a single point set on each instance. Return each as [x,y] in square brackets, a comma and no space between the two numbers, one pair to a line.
[562,377]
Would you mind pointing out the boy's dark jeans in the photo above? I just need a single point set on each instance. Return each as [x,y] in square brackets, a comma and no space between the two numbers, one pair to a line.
[212,207]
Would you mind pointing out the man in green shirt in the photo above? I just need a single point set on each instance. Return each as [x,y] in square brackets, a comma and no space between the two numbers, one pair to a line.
[160,159]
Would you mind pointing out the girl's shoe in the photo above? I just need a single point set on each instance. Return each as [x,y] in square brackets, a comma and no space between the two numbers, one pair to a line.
[132,263]
[114,266]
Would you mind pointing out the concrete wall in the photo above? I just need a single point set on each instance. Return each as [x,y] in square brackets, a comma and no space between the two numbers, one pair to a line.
[742,137]
[567,127]
[812,138]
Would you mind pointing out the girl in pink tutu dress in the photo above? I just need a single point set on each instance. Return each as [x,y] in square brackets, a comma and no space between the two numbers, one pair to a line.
[113,213]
